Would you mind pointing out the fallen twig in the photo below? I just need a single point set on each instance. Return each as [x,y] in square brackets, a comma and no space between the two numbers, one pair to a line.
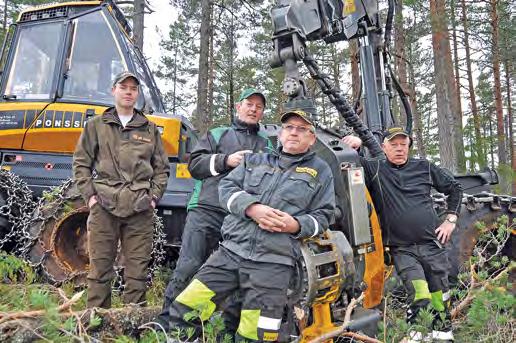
[341,330]
[4,317]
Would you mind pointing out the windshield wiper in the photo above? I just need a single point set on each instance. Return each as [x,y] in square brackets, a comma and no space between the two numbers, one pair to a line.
[9,97]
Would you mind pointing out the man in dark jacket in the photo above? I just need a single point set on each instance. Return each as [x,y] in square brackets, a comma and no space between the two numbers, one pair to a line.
[400,187]
[216,154]
[274,200]
[121,170]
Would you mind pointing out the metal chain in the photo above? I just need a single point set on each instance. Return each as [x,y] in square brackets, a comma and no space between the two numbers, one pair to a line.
[27,228]
[16,208]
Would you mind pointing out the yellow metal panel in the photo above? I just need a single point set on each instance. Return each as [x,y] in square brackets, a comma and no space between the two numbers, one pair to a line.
[63,4]
[182,171]
[374,266]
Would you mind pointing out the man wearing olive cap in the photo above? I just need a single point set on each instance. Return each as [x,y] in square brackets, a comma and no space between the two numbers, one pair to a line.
[262,232]
[218,152]
[400,187]
[121,170]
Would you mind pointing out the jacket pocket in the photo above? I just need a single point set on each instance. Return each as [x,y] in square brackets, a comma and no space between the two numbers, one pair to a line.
[257,179]
[298,192]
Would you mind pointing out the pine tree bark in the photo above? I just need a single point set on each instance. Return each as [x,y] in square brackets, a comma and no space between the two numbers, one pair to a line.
[502,154]
[478,146]
[138,22]
[355,73]
[459,138]
[445,87]
[400,59]
[512,138]
[202,115]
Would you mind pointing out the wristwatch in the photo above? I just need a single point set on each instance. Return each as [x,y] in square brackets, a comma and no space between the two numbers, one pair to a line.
[452,220]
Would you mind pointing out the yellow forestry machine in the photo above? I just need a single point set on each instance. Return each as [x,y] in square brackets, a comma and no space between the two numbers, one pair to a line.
[57,64]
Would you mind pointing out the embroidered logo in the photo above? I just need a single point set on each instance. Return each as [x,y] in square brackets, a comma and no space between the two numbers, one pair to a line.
[307,170]
[141,138]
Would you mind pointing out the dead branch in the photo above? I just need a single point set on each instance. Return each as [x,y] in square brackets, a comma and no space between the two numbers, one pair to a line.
[477,285]
[31,314]
[341,330]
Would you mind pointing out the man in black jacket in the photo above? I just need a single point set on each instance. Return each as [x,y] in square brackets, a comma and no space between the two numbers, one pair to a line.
[273,200]
[400,187]
[215,155]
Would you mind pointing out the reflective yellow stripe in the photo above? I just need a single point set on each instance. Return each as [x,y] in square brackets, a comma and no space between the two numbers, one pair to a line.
[198,296]
[248,327]
[421,287]
[437,301]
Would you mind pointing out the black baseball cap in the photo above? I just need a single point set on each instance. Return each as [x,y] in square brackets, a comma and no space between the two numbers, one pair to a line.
[394,131]
[124,76]
[246,93]
[307,117]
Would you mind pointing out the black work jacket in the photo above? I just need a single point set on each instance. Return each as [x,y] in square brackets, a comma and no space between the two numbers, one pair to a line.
[208,159]
[300,185]
[402,198]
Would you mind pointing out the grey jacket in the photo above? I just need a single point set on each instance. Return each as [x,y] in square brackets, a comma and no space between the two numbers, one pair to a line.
[301,185]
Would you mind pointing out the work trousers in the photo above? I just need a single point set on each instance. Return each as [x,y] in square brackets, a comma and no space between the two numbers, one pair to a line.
[424,269]
[201,236]
[262,287]
[105,233]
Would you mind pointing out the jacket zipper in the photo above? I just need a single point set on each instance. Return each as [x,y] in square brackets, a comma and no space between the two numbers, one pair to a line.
[272,187]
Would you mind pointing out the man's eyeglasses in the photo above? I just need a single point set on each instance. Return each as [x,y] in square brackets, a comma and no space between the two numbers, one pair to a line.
[300,129]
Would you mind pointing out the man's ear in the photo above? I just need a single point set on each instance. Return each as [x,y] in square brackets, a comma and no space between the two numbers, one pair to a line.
[113,90]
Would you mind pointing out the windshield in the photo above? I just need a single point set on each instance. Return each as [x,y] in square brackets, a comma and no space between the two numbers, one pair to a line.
[34,62]
[94,60]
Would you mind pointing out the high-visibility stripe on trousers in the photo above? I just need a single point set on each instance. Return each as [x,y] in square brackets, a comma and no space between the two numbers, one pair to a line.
[262,286]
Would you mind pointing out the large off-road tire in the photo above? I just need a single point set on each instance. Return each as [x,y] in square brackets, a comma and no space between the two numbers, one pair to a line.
[466,235]
[60,237]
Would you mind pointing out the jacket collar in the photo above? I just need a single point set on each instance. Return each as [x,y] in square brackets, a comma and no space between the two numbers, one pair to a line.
[242,126]
[111,117]
[286,160]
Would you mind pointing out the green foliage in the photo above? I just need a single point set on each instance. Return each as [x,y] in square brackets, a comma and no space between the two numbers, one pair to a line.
[13,269]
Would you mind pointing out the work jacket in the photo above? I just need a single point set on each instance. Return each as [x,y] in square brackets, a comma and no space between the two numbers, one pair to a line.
[125,167]
[208,159]
[300,185]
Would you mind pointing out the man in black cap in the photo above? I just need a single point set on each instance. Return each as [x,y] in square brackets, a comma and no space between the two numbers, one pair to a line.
[218,152]
[121,170]
[274,200]
[400,187]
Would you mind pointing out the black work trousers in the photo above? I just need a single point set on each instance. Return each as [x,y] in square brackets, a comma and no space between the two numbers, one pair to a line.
[262,287]
[424,269]
[201,236]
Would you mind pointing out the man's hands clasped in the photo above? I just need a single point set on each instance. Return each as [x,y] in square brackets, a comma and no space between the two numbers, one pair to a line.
[271,219]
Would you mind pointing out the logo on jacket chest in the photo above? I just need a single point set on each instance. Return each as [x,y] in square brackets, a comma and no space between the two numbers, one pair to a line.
[139,138]
[310,171]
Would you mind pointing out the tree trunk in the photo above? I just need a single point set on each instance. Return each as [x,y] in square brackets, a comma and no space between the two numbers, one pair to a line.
[459,138]
[502,154]
[418,123]
[445,87]
[201,115]
[138,22]
[211,68]
[5,16]
[512,138]
[400,59]
[478,146]
[355,71]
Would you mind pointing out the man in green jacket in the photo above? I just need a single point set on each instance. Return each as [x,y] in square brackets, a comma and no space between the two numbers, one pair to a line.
[121,170]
